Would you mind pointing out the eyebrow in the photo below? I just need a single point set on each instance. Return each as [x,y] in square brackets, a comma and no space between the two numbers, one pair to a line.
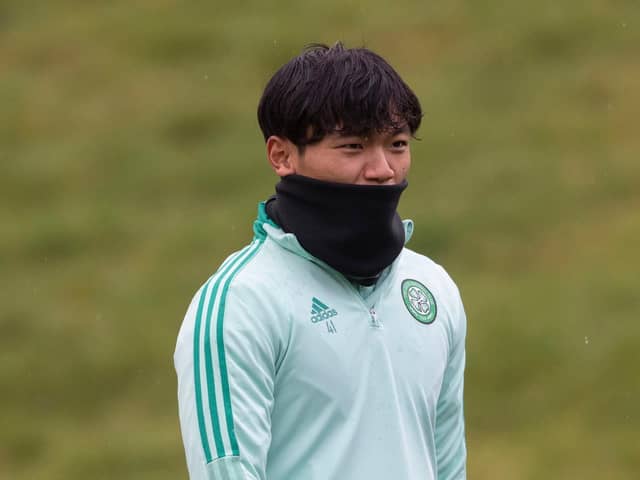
[348,134]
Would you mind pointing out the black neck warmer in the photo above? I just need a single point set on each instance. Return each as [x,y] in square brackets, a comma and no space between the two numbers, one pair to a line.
[353,228]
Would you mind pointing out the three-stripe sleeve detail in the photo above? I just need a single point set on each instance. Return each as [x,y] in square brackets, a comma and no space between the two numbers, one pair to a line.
[211,379]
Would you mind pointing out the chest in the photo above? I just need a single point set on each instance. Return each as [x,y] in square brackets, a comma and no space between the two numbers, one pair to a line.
[343,347]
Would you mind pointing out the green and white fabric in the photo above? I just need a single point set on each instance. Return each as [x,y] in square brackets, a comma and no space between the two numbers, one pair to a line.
[287,370]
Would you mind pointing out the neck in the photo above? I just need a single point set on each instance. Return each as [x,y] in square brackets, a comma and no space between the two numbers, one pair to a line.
[353,228]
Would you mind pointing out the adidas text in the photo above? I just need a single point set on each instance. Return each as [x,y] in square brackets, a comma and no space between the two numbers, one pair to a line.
[326,314]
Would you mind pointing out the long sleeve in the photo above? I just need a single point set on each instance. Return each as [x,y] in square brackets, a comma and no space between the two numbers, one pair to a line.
[450,432]
[225,361]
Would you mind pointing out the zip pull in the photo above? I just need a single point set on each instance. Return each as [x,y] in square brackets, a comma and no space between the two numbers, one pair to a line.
[373,322]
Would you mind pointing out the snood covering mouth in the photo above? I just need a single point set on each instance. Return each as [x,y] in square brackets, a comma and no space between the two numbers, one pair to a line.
[353,228]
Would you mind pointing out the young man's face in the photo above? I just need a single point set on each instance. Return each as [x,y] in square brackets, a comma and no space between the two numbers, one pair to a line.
[379,159]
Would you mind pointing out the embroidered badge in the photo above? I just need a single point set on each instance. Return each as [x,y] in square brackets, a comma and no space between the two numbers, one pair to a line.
[419,301]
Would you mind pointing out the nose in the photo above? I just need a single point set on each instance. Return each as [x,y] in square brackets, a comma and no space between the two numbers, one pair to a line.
[378,168]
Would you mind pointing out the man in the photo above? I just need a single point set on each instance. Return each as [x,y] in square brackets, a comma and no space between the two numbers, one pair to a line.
[325,350]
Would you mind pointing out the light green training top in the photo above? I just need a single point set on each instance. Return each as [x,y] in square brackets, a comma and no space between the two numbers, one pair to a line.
[287,371]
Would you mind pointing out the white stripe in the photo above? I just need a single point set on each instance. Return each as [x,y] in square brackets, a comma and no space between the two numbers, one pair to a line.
[204,392]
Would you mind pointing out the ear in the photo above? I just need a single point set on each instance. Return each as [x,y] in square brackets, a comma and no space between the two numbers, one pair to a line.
[282,155]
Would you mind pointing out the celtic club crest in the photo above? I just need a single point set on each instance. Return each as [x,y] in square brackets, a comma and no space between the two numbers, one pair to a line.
[419,301]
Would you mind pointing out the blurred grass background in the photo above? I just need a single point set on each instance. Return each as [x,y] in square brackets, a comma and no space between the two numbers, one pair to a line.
[131,163]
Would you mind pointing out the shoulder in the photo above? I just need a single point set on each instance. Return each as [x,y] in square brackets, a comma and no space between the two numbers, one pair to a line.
[262,258]
[414,263]
[420,268]
[253,268]
[269,270]
[225,275]
[260,270]
[246,286]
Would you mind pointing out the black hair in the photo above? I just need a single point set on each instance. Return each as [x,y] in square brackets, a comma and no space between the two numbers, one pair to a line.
[328,89]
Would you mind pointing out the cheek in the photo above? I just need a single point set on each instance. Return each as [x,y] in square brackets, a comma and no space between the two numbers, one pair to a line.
[329,165]
[402,166]
[345,171]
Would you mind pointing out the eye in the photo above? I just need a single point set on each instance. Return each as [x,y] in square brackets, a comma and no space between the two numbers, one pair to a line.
[400,144]
[352,146]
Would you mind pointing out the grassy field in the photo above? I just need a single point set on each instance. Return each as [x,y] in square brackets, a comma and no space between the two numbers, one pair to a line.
[131,163]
